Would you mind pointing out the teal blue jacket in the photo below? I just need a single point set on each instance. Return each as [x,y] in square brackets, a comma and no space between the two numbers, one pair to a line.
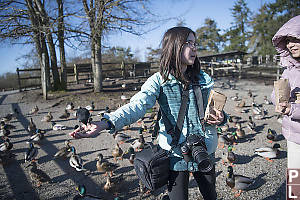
[169,101]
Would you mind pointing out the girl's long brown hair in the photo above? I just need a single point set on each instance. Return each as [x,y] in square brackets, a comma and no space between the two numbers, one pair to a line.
[170,60]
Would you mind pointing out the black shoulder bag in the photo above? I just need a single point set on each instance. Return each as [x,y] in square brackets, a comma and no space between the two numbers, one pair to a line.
[152,164]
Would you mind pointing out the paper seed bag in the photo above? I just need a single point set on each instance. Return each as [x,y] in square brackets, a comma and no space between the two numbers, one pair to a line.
[282,91]
[216,100]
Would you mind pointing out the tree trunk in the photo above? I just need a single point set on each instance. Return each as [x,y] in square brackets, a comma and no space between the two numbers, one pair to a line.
[98,66]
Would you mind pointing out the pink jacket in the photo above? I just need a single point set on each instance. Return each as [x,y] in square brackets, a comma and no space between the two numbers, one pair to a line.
[290,122]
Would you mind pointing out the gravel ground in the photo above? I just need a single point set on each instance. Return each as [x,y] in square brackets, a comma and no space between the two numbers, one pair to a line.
[15,182]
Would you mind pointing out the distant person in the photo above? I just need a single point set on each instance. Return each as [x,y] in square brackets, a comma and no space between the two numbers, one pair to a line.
[179,68]
[287,44]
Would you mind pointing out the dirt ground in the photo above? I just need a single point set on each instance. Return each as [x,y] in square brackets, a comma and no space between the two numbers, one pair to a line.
[15,182]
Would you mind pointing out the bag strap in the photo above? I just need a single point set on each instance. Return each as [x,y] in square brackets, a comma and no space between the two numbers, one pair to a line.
[199,100]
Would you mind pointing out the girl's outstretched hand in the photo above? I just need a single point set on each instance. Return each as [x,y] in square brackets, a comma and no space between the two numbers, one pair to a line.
[89,130]
[217,118]
[283,108]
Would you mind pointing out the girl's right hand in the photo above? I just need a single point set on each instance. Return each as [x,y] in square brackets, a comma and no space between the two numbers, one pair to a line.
[89,130]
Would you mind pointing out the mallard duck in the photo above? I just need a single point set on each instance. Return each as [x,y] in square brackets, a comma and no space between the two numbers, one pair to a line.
[75,161]
[64,151]
[232,137]
[37,175]
[139,143]
[6,146]
[129,154]
[70,106]
[90,107]
[104,166]
[37,137]
[4,133]
[230,157]
[31,153]
[224,140]
[65,115]
[117,152]
[224,128]
[31,127]
[251,124]
[112,184]
[268,152]
[120,137]
[58,127]
[47,118]
[8,117]
[238,182]
[256,111]
[272,135]
[239,131]
[83,194]
[34,110]
[6,126]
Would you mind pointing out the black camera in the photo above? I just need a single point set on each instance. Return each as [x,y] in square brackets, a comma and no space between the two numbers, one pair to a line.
[195,148]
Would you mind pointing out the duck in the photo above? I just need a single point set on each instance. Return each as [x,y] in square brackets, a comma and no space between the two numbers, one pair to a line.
[58,127]
[250,93]
[37,175]
[105,166]
[6,126]
[117,152]
[241,104]
[90,107]
[34,110]
[224,128]
[268,152]
[139,143]
[251,124]
[239,131]
[65,115]
[112,184]
[37,137]
[232,137]
[31,153]
[70,106]
[230,157]
[75,161]
[8,117]
[47,118]
[224,140]
[123,97]
[64,151]
[238,182]
[271,135]
[120,137]
[4,133]
[6,146]
[236,97]
[130,154]
[31,127]
[267,101]
[83,193]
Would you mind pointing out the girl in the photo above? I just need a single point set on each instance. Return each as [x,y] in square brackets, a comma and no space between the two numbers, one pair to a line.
[287,43]
[179,68]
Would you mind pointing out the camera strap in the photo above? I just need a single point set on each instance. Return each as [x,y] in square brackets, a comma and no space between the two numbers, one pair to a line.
[199,100]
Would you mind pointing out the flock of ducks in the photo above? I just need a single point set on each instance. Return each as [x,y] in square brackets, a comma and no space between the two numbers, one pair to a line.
[232,134]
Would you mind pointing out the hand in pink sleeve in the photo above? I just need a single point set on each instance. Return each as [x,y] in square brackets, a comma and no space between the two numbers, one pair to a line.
[89,130]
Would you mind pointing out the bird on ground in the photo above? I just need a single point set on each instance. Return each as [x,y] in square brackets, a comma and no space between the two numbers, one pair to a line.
[31,127]
[6,126]
[6,146]
[37,137]
[65,115]
[236,97]
[4,133]
[47,118]
[251,124]
[224,140]
[241,104]
[75,161]
[58,127]
[230,157]
[90,107]
[129,154]
[224,128]
[238,182]
[120,137]
[117,152]
[239,131]
[272,135]
[83,194]
[38,176]
[31,153]
[70,106]
[64,151]
[267,101]
[139,143]
[123,97]
[268,152]
[104,166]
[8,117]
[113,184]
[250,93]
[34,110]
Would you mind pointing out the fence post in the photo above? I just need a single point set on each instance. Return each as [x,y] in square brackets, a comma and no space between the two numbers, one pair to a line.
[19,81]
[211,69]
[44,78]
[123,69]
[278,72]
[76,74]
[240,70]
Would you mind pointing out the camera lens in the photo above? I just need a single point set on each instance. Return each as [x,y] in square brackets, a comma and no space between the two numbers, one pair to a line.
[201,157]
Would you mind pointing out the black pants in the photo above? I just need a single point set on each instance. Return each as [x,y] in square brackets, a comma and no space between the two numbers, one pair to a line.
[178,184]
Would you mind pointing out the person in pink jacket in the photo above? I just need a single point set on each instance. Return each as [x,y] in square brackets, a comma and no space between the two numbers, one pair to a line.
[287,44]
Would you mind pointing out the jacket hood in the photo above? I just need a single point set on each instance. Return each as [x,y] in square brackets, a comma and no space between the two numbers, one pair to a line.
[292,29]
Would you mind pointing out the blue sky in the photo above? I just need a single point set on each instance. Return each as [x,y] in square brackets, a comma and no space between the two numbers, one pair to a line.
[192,12]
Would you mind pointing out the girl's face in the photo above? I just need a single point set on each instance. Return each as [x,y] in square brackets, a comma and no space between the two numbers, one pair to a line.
[293,45]
[188,53]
